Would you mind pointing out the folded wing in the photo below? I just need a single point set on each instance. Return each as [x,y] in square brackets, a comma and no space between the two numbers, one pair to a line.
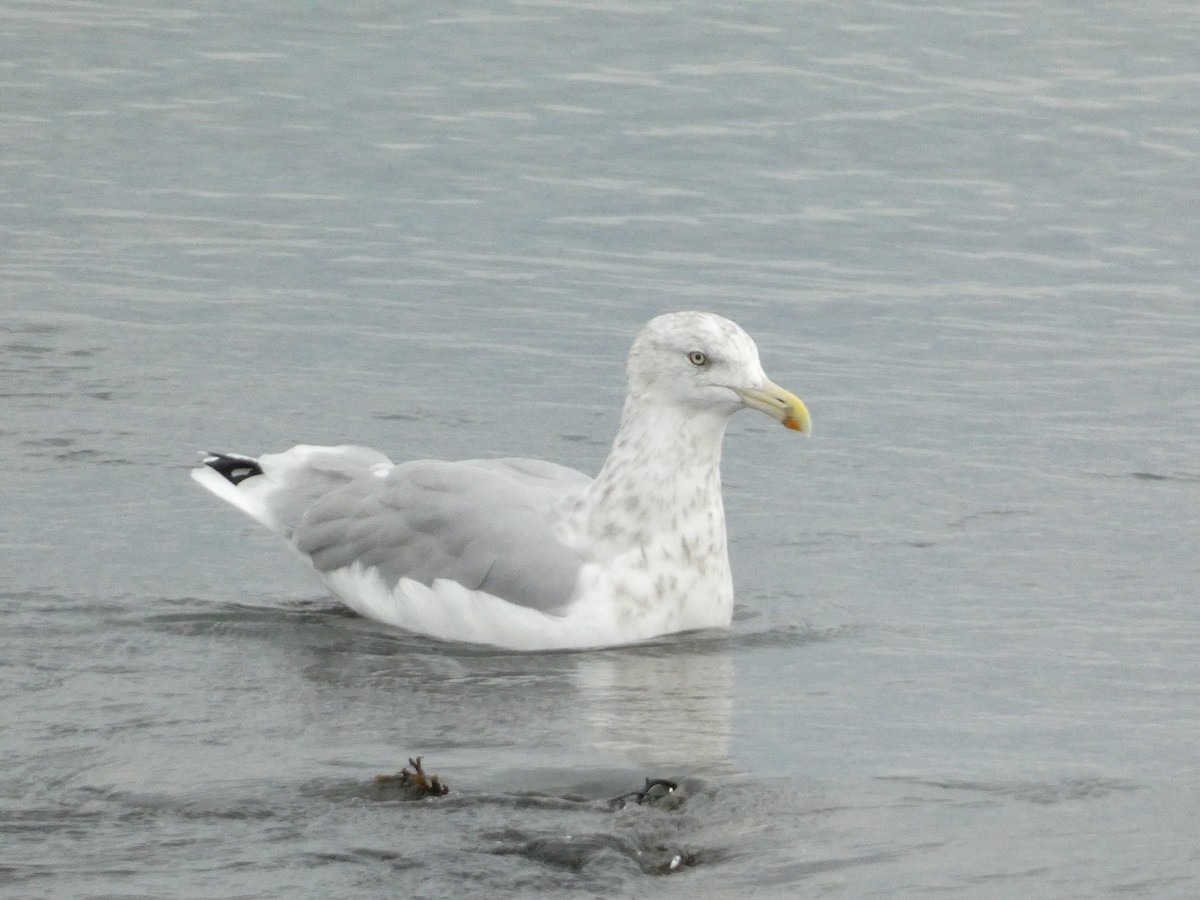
[486,524]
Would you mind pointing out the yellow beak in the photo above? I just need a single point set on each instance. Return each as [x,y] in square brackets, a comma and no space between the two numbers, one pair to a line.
[779,404]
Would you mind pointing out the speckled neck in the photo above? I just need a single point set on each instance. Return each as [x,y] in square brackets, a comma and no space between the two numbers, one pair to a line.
[661,476]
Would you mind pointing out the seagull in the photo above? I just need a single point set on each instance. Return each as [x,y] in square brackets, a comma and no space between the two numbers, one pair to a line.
[525,554]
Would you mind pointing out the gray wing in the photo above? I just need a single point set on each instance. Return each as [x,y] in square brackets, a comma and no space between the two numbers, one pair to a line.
[298,477]
[486,524]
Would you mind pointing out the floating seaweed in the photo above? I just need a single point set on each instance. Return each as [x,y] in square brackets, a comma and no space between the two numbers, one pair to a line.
[658,792]
[411,785]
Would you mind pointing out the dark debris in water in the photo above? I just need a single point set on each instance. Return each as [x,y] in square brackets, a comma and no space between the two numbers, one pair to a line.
[651,849]
[648,843]
[658,792]
[410,785]
[575,853]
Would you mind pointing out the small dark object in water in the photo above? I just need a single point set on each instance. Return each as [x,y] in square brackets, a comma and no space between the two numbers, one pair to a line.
[414,785]
[658,792]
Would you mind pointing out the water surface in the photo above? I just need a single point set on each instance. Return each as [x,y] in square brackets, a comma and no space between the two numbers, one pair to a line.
[964,659]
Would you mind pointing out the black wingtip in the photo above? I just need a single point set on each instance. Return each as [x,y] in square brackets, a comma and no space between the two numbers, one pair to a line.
[233,467]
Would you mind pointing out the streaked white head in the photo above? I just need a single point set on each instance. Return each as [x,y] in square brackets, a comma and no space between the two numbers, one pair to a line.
[706,363]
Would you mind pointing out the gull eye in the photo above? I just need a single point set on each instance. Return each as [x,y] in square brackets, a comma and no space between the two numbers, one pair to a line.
[698,358]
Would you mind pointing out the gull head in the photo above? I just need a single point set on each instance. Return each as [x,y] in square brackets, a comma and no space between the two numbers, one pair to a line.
[703,363]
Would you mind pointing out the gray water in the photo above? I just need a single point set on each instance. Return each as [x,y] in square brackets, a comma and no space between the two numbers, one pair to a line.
[966,656]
